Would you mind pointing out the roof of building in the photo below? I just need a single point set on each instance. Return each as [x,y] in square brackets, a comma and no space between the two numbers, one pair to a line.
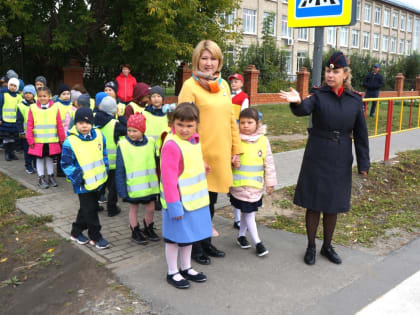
[401,4]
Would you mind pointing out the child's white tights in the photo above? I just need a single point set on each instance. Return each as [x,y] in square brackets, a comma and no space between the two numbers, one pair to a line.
[237,214]
[248,223]
[171,253]
[40,166]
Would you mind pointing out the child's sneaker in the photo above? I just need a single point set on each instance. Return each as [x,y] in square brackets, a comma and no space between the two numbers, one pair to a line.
[101,243]
[43,183]
[29,170]
[243,242]
[261,250]
[81,239]
[51,181]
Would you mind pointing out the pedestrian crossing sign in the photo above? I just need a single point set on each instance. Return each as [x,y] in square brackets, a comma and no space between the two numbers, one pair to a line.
[312,13]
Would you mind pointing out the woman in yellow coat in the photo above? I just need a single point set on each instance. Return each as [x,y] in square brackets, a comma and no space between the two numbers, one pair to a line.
[218,129]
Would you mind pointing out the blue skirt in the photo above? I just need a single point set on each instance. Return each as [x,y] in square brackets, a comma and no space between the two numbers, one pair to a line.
[192,227]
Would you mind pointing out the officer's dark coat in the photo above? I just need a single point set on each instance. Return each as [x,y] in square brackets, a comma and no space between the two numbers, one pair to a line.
[325,177]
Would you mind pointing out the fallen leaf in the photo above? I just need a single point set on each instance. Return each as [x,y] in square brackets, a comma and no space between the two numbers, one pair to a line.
[51,250]
[3,260]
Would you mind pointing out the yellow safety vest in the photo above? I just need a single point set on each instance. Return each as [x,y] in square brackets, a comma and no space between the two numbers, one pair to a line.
[10,107]
[111,146]
[92,104]
[90,156]
[159,140]
[192,182]
[136,108]
[140,168]
[45,124]
[24,110]
[120,110]
[64,109]
[251,172]
[155,125]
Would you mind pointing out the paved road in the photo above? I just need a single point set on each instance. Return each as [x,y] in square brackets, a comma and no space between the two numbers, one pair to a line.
[242,283]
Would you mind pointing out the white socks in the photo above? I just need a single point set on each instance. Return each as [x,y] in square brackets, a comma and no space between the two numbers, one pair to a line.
[40,166]
[171,252]
[248,223]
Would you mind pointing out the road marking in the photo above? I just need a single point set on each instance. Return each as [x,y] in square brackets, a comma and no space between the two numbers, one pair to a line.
[402,299]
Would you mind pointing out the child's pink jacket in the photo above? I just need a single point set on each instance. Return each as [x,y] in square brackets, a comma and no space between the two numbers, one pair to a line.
[252,194]
[54,148]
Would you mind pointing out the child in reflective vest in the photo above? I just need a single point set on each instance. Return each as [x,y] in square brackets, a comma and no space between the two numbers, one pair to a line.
[136,178]
[185,198]
[256,169]
[22,120]
[84,161]
[45,134]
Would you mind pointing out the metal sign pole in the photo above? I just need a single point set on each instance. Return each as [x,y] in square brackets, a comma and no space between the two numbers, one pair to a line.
[317,60]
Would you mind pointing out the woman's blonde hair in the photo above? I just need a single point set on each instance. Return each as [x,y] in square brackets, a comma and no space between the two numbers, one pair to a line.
[212,47]
[347,81]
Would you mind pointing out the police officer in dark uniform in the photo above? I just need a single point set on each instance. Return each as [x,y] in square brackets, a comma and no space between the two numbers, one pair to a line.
[325,178]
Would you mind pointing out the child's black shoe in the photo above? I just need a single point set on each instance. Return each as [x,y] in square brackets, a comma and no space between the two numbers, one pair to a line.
[199,277]
[261,250]
[179,284]
[138,236]
[149,232]
[243,242]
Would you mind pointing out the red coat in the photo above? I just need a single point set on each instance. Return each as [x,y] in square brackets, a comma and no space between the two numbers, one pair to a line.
[54,148]
[125,87]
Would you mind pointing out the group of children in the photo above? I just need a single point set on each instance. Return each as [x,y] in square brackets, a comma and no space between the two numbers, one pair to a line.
[146,153]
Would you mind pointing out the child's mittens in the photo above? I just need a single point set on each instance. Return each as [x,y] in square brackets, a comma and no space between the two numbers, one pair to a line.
[175,209]
[168,108]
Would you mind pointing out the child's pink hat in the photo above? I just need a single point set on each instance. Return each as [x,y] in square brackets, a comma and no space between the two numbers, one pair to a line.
[137,121]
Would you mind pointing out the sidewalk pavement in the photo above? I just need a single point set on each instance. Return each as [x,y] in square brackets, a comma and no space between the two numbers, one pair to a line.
[240,283]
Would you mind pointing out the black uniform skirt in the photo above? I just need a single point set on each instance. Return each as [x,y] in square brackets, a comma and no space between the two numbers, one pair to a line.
[245,206]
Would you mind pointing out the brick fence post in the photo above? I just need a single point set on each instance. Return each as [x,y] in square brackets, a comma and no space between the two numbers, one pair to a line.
[73,73]
[183,73]
[302,82]
[251,82]
[399,83]
[418,84]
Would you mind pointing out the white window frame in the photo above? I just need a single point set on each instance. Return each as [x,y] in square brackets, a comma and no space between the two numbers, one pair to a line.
[416,34]
[387,17]
[401,47]
[303,34]
[344,36]
[375,41]
[286,31]
[358,5]
[365,40]
[385,43]
[332,36]
[408,47]
[274,28]
[249,19]
[289,62]
[393,45]
[368,13]
[300,59]
[394,20]
[355,34]
[377,15]
[402,23]
[410,24]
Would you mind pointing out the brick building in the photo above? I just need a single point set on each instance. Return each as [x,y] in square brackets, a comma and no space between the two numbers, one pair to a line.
[384,28]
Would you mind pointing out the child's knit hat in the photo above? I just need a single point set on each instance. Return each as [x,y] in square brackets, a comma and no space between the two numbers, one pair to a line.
[84,100]
[62,88]
[113,85]
[29,88]
[13,81]
[99,97]
[75,95]
[83,114]
[140,90]
[157,90]
[137,121]
[21,85]
[42,79]
[108,105]
[12,74]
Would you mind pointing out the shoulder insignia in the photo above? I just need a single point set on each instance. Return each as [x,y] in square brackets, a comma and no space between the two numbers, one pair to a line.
[357,92]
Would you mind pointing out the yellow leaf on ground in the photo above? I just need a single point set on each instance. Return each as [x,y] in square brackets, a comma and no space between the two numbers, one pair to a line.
[51,250]
[3,260]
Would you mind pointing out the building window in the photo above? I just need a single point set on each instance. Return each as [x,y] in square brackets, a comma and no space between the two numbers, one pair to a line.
[358,10]
[355,39]
[410,24]
[375,42]
[416,34]
[377,15]
[394,20]
[367,12]
[387,13]
[331,36]
[286,32]
[249,21]
[301,56]
[402,23]
[366,40]
[303,34]
[344,36]
[385,43]
[227,19]
[393,48]
[401,46]
[288,62]
[272,28]
[408,48]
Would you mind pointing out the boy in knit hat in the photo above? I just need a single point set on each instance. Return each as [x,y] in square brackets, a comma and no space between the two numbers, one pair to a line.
[85,163]
[140,98]
[8,112]
[84,100]
[40,81]
[136,178]
[111,88]
[112,129]
[21,121]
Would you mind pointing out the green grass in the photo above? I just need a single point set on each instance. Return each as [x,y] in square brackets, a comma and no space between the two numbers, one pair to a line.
[387,200]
